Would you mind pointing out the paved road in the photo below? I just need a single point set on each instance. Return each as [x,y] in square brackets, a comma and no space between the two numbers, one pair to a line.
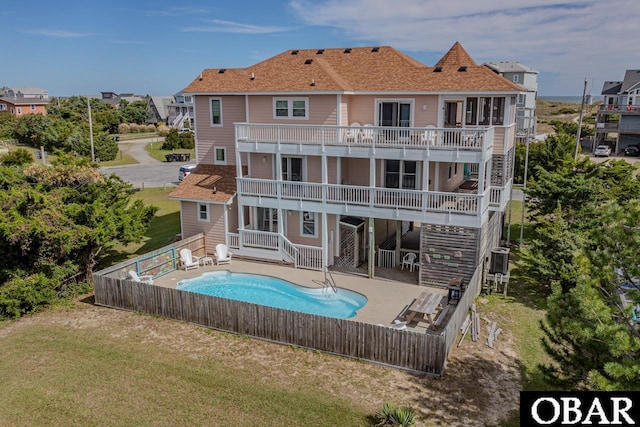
[149,172]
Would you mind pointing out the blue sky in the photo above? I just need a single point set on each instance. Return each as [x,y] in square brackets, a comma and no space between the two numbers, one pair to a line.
[75,47]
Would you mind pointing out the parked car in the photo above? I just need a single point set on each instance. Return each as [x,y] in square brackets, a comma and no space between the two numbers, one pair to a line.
[632,150]
[185,130]
[602,150]
[184,171]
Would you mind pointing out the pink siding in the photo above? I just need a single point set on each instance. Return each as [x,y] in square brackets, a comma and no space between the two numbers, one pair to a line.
[322,110]
[499,140]
[450,185]
[214,230]
[233,110]
[294,230]
[314,169]
[260,169]
[355,171]
[362,109]
[344,110]
[332,170]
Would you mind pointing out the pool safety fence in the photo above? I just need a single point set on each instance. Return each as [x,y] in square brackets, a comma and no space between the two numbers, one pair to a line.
[413,351]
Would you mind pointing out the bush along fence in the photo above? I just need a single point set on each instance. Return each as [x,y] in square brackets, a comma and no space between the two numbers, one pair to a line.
[413,351]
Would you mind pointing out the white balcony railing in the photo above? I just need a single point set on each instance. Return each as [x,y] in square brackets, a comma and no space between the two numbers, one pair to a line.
[472,139]
[391,198]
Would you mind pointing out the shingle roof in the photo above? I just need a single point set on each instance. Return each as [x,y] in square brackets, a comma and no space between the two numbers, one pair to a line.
[24,101]
[362,69]
[510,67]
[611,88]
[201,182]
[631,79]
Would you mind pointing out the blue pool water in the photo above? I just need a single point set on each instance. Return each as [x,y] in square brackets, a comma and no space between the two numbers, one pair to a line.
[273,292]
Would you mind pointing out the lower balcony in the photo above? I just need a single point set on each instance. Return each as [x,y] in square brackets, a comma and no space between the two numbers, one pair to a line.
[391,203]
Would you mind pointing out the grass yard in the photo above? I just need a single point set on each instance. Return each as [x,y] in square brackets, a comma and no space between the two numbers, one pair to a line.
[122,158]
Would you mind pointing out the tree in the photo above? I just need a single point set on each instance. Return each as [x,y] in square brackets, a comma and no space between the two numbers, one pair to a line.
[135,112]
[57,221]
[17,157]
[172,140]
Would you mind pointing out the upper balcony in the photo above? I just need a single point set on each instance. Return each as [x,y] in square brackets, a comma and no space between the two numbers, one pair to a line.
[438,144]
[620,109]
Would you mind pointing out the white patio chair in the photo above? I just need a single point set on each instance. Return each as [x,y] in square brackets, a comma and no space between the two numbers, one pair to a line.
[223,256]
[148,279]
[429,135]
[352,134]
[409,261]
[188,260]
[368,133]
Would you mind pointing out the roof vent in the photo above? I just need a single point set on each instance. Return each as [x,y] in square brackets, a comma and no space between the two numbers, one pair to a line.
[375,49]
[200,76]
[313,82]
[222,70]
[308,61]
[253,76]
[463,68]
[319,51]
[347,50]
[294,52]
[437,70]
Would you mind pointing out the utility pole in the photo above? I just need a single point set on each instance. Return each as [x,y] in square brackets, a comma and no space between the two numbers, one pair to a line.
[93,157]
[584,93]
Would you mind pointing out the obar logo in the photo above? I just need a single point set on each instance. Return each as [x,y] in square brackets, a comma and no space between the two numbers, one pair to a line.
[579,408]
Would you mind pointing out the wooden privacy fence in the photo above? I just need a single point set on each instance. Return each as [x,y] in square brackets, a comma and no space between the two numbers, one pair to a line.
[413,351]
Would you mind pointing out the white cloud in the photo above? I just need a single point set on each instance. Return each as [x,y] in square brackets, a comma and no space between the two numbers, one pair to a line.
[221,26]
[175,11]
[566,40]
[61,34]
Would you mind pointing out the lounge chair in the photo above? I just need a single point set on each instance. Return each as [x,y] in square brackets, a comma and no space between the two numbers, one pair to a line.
[429,135]
[223,256]
[368,133]
[352,134]
[188,260]
[397,324]
[148,279]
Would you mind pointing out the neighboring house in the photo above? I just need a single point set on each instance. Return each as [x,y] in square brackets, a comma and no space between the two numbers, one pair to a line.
[618,118]
[114,99]
[24,92]
[526,77]
[20,106]
[327,157]
[181,111]
[159,108]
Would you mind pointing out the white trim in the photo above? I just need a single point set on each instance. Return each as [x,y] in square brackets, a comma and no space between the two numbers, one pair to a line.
[348,92]
[339,110]
[215,125]
[207,212]
[215,156]
[315,225]
[211,202]
[290,101]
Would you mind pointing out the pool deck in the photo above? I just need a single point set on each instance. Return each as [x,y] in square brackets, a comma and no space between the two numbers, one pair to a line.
[387,299]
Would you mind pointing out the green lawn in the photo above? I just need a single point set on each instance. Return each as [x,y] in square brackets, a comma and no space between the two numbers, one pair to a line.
[68,376]
[121,159]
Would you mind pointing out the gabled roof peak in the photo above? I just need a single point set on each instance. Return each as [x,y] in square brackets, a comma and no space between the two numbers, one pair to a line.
[456,57]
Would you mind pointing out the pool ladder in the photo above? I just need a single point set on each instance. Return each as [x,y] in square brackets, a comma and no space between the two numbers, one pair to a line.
[329,280]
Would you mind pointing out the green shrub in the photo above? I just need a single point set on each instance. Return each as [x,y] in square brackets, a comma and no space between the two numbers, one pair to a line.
[17,157]
[20,296]
[187,140]
[390,416]
[172,140]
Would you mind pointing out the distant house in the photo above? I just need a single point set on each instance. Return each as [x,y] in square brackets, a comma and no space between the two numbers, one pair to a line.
[618,118]
[328,157]
[24,92]
[114,99]
[526,77]
[159,108]
[181,111]
[20,106]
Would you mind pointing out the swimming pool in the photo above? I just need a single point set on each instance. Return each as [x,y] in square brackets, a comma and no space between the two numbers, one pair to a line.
[274,292]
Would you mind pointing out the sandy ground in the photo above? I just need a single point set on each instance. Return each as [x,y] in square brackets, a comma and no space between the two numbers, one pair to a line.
[481,385]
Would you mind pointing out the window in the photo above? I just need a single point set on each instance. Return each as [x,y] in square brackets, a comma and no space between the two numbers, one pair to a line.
[450,174]
[216,111]
[471,113]
[401,174]
[516,78]
[33,107]
[497,115]
[308,227]
[521,98]
[3,107]
[203,212]
[19,110]
[11,110]
[455,169]
[267,219]
[292,168]
[290,108]
[220,156]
